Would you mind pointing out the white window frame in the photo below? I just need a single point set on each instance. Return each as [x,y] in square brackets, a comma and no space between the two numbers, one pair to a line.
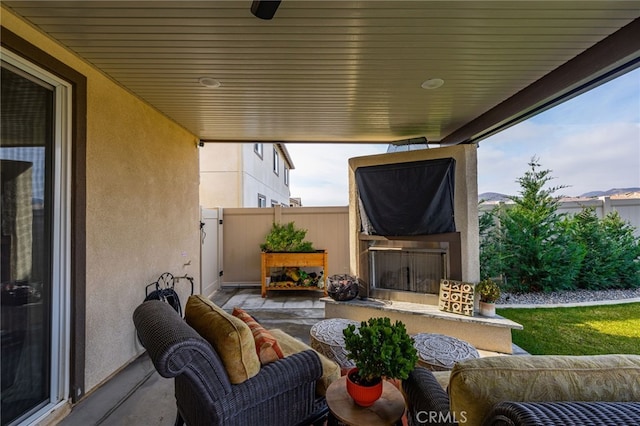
[258,149]
[276,162]
[61,234]
[262,200]
[286,176]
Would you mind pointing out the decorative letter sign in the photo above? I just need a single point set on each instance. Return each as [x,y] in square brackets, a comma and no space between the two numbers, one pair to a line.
[456,297]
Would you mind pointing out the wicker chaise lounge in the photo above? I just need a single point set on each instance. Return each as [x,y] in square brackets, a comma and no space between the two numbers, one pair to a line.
[281,393]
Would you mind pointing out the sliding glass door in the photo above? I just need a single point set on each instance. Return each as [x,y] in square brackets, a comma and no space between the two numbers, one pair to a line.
[34,271]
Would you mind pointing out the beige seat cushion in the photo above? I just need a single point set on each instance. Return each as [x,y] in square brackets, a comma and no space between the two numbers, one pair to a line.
[478,384]
[443,378]
[290,345]
[230,337]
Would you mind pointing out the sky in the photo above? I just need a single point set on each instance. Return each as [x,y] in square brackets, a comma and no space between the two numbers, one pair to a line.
[590,143]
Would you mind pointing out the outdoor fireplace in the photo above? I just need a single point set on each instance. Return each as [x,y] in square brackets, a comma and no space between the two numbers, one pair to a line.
[407,204]
[414,222]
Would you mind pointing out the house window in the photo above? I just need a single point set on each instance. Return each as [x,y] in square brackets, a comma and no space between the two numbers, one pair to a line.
[257,148]
[286,176]
[276,162]
[262,200]
[274,203]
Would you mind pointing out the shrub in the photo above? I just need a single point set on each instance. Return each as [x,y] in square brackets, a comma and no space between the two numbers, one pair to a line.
[611,251]
[491,250]
[286,238]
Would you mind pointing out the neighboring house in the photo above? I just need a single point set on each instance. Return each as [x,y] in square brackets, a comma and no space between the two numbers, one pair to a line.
[244,175]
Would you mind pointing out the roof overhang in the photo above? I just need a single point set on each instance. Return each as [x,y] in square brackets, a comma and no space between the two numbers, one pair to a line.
[347,71]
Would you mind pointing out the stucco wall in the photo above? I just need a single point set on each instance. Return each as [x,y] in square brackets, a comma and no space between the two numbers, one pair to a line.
[220,175]
[142,207]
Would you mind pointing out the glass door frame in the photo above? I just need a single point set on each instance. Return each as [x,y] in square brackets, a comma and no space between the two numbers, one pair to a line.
[61,233]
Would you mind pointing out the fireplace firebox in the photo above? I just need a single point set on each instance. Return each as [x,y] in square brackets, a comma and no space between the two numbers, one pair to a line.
[409,268]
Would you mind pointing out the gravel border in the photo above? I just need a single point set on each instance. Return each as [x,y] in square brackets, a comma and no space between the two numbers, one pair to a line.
[567,297]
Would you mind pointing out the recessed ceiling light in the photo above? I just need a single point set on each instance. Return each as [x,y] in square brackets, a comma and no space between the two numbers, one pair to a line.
[432,83]
[209,82]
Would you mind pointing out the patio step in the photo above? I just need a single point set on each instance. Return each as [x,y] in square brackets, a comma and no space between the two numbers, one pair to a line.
[489,334]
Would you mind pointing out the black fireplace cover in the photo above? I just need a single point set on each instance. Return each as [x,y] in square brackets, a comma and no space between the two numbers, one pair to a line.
[404,199]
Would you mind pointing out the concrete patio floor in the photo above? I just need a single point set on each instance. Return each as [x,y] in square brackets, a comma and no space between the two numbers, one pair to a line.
[139,396]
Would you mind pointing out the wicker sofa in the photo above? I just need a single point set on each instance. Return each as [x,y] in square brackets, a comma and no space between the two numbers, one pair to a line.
[528,390]
[284,392]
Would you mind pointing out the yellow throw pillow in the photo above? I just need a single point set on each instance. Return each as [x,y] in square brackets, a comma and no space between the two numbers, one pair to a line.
[230,337]
[267,346]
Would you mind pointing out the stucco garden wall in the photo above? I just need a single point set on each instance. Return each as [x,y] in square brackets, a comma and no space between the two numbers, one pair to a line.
[141,207]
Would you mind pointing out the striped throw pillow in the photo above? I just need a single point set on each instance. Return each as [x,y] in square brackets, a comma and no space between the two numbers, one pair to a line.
[266,345]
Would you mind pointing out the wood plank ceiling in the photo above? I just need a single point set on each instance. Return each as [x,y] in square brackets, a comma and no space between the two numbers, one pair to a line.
[345,71]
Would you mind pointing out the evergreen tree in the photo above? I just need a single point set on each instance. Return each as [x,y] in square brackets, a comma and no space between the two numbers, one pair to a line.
[537,254]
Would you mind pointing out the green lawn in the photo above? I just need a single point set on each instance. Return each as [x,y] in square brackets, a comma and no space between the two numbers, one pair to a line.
[592,330]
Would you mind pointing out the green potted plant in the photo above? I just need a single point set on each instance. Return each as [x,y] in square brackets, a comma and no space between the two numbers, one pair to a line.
[286,238]
[489,292]
[380,349]
[285,253]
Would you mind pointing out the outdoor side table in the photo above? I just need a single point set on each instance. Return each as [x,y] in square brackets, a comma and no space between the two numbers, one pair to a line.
[439,352]
[327,339]
[386,411]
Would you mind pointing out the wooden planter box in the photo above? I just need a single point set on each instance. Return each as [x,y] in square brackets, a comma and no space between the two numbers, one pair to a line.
[318,258]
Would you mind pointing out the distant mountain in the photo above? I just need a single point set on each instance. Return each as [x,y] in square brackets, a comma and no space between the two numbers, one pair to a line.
[496,196]
[492,196]
[609,192]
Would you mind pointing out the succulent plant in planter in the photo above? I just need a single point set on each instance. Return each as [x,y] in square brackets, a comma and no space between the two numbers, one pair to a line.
[380,349]
[489,292]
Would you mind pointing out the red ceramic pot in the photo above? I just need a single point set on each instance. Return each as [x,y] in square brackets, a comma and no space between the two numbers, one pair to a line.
[364,396]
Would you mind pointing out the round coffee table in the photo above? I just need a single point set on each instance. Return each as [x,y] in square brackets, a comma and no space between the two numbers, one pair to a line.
[387,410]
[438,352]
[327,338]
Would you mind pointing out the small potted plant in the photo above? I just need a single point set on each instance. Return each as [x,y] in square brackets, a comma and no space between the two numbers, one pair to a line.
[489,292]
[380,350]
